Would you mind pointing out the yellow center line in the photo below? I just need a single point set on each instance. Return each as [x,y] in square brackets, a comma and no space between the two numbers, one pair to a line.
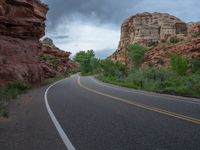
[161,111]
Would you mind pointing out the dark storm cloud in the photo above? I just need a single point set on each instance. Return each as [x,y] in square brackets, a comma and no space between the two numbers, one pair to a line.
[111,11]
[95,24]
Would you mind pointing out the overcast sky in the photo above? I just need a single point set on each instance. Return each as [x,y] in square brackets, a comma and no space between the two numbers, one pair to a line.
[76,25]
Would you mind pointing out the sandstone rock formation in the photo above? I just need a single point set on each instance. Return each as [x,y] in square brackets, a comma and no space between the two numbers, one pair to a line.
[21,27]
[158,56]
[52,54]
[147,29]
[194,28]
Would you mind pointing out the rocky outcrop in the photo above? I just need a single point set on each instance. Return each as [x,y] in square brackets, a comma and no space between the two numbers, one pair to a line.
[158,56]
[21,27]
[147,29]
[56,57]
[22,18]
[194,28]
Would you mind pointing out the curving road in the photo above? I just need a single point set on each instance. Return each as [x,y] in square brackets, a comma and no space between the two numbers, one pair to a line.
[91,115]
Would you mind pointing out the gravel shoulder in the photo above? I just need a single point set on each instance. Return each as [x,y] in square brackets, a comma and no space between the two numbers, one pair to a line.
[29,125]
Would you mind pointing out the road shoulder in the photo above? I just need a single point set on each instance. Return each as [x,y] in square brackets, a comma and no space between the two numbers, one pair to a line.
[29,125]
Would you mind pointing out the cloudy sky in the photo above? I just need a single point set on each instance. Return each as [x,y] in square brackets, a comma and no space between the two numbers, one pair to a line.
[76,25]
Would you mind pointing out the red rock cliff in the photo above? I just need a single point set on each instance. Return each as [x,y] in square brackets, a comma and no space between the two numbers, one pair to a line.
[147,29]
[51,52]
[21,27]
[158,56]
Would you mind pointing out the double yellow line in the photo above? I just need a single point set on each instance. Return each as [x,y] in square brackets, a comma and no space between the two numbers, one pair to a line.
[161,111]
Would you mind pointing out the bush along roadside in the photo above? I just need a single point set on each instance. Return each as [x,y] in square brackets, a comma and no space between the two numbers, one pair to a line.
[10,92]
[16,87]
[160,80]
[181,77]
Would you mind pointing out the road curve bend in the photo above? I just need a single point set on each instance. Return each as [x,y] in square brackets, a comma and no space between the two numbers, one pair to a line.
[96,116]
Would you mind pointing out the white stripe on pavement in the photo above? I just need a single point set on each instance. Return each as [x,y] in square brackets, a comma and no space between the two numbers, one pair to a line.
[61,132]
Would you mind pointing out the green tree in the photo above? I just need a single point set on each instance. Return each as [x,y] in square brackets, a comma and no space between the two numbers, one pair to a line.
[179,64]
[95,66]
[84,59]
[111,68]
[136,54]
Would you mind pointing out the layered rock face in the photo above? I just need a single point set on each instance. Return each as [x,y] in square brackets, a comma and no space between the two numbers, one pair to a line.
[147,29]
[194,27]
[52,53]
[22,18]
[190,48]
[21,27]
[158,56]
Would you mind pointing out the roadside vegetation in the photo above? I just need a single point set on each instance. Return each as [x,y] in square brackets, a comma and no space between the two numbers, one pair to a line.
[196,34]
[11,91]
[51,60]
[181,77]
[16,87]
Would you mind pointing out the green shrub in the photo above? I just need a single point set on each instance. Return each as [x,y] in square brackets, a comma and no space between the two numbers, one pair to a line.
[160,80]
[44,57]
[150,73]
[179,64]
[183,85]
[195,65]
[95,66]
[114,80]
[136,54]
[193,82]
[72,71]
[18,85]
[112,69]
[10,92]
[196,34]
[175,40]
[55,63]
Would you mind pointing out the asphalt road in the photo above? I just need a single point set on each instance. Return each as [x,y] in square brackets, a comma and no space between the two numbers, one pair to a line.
[82,113]
[99,116]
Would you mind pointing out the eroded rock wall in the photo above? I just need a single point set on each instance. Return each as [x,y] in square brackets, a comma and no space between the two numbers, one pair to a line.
[21,27]
[159,56]
[54,53]
[147,29]
[194,28]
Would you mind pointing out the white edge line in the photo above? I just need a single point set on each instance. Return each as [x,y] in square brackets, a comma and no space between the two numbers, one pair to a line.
[176,98]
[61,132]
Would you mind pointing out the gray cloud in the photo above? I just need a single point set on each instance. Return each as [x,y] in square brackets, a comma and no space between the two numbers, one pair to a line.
[103,10]
[104,53]
[95,24]
[115,11]
[60,37]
